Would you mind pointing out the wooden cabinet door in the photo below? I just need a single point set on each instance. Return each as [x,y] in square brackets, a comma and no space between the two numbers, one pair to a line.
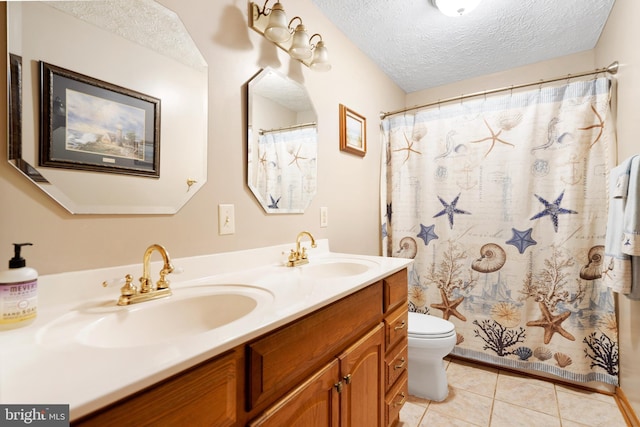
[315,403]
[361,369]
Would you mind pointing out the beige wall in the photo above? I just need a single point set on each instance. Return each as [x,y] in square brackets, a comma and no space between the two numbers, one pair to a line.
[348,185]
[619,42]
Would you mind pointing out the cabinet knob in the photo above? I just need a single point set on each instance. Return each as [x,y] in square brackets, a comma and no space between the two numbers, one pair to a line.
[402,400]
[403,362]
[338,386]
[401,326]
[347,379]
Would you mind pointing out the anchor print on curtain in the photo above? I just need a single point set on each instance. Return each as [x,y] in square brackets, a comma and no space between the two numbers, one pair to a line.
[502,204]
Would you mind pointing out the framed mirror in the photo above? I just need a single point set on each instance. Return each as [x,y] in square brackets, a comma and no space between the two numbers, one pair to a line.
[282,138]
[100,63]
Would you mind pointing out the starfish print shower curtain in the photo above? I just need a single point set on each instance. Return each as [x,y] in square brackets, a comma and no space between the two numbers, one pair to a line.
[502,204]
[285,169]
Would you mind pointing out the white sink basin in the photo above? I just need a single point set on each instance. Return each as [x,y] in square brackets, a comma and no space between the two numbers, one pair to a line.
[189,311]
[335,268]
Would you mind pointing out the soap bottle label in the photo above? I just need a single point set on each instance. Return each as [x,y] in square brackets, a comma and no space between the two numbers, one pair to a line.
[18,301]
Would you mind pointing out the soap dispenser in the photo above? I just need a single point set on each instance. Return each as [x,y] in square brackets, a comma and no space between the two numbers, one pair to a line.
[18,292]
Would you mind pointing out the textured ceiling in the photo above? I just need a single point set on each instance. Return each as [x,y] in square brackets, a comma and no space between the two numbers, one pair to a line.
[418,47]
[144,22]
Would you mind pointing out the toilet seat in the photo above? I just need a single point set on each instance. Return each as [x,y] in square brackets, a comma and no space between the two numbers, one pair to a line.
[429,327]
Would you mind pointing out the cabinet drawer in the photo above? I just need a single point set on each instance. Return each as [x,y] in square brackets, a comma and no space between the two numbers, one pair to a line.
[396,363]
[396,325]
[396,288]
[396,399]
[204,395]
[281,359]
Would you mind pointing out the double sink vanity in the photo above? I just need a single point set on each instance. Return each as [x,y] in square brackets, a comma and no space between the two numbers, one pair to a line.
[243,340]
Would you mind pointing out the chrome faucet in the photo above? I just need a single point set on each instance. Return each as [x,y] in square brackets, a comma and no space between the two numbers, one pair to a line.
[299,256]
[129,293]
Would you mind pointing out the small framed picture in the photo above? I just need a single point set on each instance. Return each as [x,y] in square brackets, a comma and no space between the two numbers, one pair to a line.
[353,132]
[89,124]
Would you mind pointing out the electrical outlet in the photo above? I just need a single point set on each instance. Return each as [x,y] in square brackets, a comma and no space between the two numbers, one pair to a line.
[324,216]
[226,220]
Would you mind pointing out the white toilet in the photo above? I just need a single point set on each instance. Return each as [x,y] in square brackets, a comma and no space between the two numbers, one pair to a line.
[430,340]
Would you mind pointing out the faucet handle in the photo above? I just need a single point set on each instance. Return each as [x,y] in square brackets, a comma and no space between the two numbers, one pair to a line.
[113,282]
[129,288]
[163,283]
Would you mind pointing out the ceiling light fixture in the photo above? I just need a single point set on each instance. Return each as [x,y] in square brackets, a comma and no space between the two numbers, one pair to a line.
[455,7]
[272,24]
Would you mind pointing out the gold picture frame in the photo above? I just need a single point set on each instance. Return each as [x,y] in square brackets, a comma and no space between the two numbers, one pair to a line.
[353,132]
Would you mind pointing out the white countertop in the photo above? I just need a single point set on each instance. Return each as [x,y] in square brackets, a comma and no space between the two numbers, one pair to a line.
[43,364]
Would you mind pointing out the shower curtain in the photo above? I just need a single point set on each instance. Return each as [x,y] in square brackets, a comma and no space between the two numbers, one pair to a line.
[502,204]
[287,167]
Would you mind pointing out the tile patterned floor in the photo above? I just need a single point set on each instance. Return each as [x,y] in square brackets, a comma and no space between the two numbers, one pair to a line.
[481,396]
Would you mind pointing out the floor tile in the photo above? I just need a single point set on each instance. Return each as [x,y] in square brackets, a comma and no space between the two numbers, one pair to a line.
[527,394]
[411,414]
[587,393]
[508,415]
[467,406]
[476,379]
[481,396]
[588,411]
[566,423]
[436,419]
[529,380]
[418,400]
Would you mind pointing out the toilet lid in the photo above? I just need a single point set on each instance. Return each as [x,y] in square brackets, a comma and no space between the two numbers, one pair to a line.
[425,325]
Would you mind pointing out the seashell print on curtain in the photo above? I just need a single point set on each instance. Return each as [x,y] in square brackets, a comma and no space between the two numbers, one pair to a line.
[502,204]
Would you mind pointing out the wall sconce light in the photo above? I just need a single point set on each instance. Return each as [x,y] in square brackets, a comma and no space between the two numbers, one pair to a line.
[272,24]
[455,7]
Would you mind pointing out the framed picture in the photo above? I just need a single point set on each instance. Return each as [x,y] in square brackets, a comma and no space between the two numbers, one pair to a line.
[15,107]
[89,124]
[353,132]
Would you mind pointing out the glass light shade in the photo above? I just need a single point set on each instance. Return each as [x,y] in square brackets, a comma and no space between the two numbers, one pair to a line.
[320,58]
[277,29]
[300,47]
[456,7]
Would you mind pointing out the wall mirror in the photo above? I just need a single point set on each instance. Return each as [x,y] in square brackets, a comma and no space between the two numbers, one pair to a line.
[282,140]
[136,45]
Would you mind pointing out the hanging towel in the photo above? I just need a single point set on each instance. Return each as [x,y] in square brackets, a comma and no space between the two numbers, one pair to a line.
[622,229]
[631,232]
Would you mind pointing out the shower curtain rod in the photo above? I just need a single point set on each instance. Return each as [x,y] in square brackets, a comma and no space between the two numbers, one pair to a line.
[302,125]
[611,69]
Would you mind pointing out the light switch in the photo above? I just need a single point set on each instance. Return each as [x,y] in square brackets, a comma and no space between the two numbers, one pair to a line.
[324,216]
[226,219]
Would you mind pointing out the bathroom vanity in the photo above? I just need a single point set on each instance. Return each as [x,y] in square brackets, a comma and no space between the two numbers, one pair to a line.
[328,344]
